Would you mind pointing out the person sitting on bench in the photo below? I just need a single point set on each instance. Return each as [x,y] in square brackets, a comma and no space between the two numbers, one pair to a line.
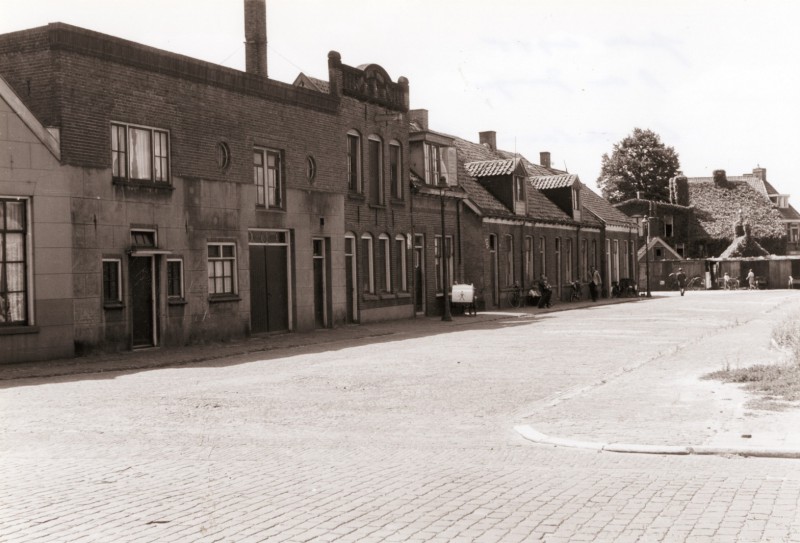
[546,292]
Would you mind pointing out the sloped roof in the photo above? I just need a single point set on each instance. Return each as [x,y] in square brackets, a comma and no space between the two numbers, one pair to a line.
[789,213]
[544,182]
[306,81]
[743,246]
[50,141]
[541,207]
[489,168]
[602,208]
[717,209]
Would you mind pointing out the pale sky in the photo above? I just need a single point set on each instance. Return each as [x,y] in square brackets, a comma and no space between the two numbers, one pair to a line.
[718,80]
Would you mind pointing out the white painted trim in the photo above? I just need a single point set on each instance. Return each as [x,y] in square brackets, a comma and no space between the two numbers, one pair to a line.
[18,107]
[623,229]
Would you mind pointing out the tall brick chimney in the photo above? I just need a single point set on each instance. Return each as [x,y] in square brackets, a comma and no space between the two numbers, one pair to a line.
[760,172]
[255,36]
[419,116]
[544,159]
[488,138]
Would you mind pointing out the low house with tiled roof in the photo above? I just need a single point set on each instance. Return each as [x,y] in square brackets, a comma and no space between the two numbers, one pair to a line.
[510,220]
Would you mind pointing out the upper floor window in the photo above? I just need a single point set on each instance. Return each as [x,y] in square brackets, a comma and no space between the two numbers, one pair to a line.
[668,226]
[576,199]
[376,191]
[354,161]
[13,263]
[139,153]
[267,177]
[519,189]
[433,163]
[396,170]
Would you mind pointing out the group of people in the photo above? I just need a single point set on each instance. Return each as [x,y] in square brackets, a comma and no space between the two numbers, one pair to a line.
[545,291]
[729,283]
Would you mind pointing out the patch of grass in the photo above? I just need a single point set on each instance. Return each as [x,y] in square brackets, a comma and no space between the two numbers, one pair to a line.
[775,383]
[787,335]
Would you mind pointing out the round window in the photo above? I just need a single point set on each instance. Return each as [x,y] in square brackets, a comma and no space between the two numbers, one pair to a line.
[223,155]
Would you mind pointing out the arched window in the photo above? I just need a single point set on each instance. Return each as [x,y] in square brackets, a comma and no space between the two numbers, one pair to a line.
[396,169]
[354,161]
[367,264]
[375,169]
[401,272]
[384,263]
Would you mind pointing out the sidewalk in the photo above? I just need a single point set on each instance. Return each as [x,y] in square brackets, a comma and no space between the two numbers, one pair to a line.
[194,354]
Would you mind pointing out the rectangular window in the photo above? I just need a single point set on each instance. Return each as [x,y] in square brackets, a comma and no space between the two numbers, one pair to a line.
[509,242]
[542,266]
[13,263]
[367,264]
[396,170]
[112,282]
[376,171]
[401,281]
[557,255]
[626,271]
[433,160]
[267,177]
[576,202]
[594,253]
[354,162]
[794,233]
[519,189]
[175,279]
[668,226]
[139,153]
[568,275]
[584,271]
[529,260]
[615,261]
[221,268]
[385,258]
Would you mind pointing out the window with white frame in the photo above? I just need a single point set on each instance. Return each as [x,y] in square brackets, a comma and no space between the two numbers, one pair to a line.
[794,232]
[221,269]
[557,256]
[668,226]
[529,260]
[615,261]
[267,175]
[509,247]
[401,282]
[112,281]
[376,189]
[139,153]
[626,271]
[542,266]
[433,163]
[354,161]
[13,262]
[175,279]
[568,275]
[385,260]
[396,169]
[584,271]
[576,199]
[519,189]
[367,264]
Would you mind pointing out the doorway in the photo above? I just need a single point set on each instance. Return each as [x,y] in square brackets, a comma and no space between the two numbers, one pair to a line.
[350,277]
[419,274]
[143,302]
[320,290]
[269,282]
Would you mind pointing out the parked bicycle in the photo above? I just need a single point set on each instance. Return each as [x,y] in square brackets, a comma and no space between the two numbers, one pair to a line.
[516,297]
[696,283]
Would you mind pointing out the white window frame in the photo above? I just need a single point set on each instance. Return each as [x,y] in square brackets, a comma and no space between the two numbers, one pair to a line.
[232,259]
[386,249]
[116,153]
[354,162]
[509,260]
[542,256]
[432,155]
[396,170]
[27,263]
[669,226]
[182,294]
[568,271]
[529,260]
[402,264]
[118,263]
[370,257]
[379,197]
[266,195]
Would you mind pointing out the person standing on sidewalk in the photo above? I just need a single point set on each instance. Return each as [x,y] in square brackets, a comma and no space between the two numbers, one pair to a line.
[751,279]
[681,278]
[595,284]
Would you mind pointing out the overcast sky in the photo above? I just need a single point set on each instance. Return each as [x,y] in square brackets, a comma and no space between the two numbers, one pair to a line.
[718,80]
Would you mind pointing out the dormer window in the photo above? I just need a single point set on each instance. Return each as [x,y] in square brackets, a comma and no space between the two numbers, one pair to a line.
[576,199]
[519,189]
[433,162]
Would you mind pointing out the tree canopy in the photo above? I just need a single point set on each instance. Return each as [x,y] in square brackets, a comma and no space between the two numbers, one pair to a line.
[640,163]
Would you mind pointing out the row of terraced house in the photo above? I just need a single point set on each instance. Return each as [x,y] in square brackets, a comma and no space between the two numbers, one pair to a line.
[149,199]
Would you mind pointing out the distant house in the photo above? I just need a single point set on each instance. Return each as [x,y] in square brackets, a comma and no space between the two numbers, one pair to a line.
[700,219]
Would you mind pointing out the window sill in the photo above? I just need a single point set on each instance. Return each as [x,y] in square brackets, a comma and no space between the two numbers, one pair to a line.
[367,296]
[398,202]
[113,305]
[17,330]
[356,196]
[260,207]
[177,301]
[377,206]
[220,298]
[404,294]
[387,296]
[154,186]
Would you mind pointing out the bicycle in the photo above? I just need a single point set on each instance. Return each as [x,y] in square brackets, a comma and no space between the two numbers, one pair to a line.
[696,283]
[516,297]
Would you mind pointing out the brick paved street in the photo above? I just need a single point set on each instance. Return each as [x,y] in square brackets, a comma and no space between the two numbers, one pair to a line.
[409,436]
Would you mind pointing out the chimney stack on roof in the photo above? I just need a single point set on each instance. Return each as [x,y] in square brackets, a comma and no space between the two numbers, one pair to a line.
[488,138]
[760,172]
[255,37]
[544,159]
[419,116]
[720,179]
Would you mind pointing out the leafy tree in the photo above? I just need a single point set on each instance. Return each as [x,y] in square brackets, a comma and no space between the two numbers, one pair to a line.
[639,163]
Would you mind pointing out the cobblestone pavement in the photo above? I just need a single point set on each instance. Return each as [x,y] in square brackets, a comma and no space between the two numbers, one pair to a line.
[408,436]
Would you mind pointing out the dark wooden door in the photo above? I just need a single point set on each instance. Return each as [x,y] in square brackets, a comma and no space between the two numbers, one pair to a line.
[142,303]
[269,289]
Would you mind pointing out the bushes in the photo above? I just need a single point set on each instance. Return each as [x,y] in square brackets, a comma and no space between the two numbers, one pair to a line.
[787,336]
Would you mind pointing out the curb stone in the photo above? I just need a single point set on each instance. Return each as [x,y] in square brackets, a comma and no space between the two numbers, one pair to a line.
[761,452]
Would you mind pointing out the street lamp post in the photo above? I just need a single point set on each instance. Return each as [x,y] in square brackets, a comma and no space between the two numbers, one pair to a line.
[646,223]
[446,316]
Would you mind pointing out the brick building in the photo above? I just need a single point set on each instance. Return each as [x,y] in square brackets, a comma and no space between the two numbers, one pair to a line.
[203,203]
